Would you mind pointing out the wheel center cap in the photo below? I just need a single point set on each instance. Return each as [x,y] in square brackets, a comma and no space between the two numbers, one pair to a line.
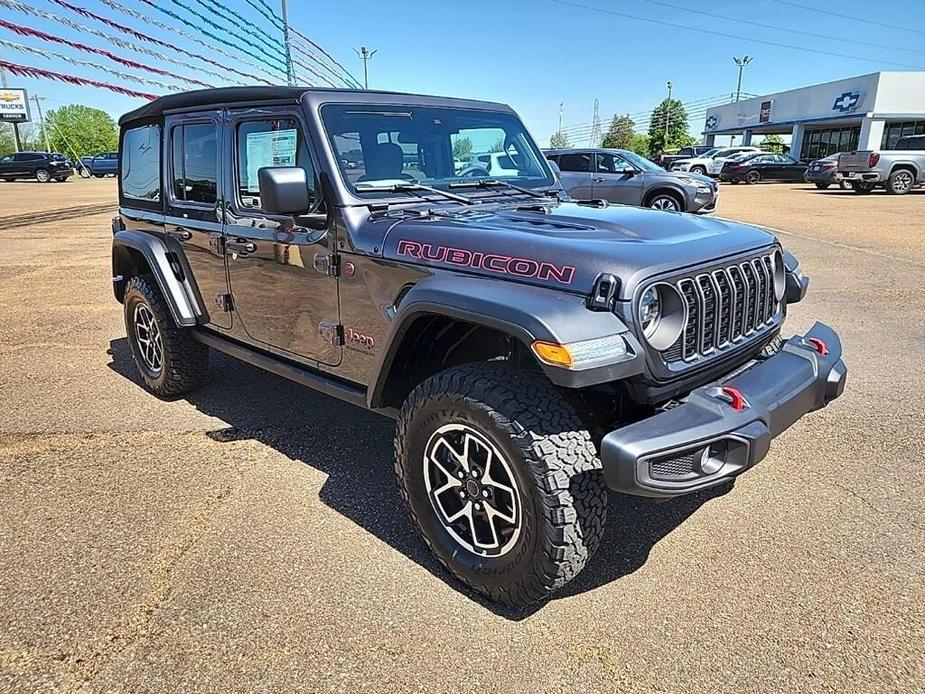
[472,488]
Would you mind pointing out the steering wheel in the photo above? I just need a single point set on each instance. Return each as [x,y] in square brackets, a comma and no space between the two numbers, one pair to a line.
[473,172]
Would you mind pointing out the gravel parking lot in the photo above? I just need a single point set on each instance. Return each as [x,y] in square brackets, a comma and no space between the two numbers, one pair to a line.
[249,537]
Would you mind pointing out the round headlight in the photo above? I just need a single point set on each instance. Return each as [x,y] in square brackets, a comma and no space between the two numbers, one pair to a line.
[661,313]
[780,275]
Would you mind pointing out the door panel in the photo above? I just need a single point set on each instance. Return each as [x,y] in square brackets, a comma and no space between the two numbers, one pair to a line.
[194,205]
[281,300]
[608,183]
[575,174]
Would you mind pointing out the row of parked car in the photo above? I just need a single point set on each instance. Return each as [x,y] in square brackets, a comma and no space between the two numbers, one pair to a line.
[45,167]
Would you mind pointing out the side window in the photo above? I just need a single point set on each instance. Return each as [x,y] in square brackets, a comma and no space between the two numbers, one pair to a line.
[609,163]
[7,159]
[270,142]
[575,162]
[194,163]
[141,163]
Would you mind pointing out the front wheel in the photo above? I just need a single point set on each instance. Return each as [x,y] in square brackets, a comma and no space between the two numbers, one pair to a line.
[501,479]
[699,170]
[170,361]
[666,202]
[822,186]
[42,176]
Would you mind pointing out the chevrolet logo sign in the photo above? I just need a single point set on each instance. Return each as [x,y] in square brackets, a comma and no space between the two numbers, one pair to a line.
[8,97]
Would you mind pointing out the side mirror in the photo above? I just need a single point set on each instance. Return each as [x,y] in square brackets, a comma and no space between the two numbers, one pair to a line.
[627,172]
[555,168]
[283,189]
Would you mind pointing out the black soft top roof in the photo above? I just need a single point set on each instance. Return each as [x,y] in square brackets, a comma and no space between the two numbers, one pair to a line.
[223,96]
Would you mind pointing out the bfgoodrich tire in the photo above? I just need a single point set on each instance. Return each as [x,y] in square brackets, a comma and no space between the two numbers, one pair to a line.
[502,480]
[167,357]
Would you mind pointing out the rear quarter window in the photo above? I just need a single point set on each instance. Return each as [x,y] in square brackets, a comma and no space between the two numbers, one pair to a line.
[140,177]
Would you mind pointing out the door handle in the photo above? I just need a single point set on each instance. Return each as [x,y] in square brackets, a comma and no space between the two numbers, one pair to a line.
[600,179]
[180,234]
[241,246]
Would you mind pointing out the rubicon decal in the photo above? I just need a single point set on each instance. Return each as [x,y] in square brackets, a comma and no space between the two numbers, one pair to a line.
[493,262]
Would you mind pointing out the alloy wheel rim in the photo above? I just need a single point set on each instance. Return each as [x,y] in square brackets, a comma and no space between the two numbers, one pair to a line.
[665,203]
[902,181]
[148,337]
[472,490]
[42,175]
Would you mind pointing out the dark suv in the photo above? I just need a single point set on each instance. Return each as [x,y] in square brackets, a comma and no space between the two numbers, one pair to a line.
[534,351]
[41,166]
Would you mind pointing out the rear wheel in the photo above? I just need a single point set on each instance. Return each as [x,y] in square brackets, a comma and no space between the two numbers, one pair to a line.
[501,479]
[900,182]
[42,176]
[822,186]
[170,361]
[752,177]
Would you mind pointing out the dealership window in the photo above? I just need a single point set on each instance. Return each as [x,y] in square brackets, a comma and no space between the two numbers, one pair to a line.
[141,163]
[823,142]
[194,162]
[893,131]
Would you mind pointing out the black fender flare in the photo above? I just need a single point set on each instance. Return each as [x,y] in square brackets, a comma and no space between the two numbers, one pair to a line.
[524,312]
[177,292]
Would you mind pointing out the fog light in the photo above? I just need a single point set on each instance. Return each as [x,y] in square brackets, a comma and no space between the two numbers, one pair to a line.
[713,458]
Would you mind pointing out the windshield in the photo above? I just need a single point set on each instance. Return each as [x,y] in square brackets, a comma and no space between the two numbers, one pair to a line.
[709,153]
[639,162]
[378,146]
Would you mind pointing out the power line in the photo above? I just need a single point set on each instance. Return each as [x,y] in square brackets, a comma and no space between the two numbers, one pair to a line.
[708,102]
[763,25]
[863,20]
[725,35]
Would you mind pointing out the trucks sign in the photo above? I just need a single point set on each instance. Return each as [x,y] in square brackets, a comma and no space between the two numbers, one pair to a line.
[14,106]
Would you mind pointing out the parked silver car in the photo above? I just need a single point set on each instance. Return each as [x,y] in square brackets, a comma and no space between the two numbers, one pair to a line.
[621,176]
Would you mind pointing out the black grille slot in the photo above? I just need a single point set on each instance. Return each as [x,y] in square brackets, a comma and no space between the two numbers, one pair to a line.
[724,305]
[678,466]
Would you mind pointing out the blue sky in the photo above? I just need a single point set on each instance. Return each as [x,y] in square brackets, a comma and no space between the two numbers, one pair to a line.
[532,54]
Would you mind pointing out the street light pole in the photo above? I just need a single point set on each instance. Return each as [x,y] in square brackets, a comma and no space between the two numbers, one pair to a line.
[38,107]
[290,73]
[742,63]
[667,114]
[365,55]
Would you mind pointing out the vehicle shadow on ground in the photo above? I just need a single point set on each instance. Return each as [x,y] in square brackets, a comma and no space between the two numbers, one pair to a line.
[354,449]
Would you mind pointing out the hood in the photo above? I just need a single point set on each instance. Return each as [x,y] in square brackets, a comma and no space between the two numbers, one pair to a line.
[570,245]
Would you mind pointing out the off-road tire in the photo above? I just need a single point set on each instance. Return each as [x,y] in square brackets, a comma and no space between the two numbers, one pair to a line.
[185,361]
[42,176]
[900,182]
[822,186]
[557,470]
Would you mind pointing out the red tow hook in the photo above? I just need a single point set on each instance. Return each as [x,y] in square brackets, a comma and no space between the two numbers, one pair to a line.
[737,400]
[819,345]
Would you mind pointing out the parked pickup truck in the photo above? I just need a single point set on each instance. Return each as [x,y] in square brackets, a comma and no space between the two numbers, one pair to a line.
[103,164]
[666,160]
[898,170]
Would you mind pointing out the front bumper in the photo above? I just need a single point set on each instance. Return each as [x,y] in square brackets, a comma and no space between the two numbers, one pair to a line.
[706,440]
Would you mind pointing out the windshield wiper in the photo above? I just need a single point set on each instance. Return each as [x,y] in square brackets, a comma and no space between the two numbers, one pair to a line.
[492,182]
[414,188]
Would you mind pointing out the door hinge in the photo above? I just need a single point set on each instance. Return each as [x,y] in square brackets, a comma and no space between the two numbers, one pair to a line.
[332,332]
[224,302]
[217,244]
[327,264]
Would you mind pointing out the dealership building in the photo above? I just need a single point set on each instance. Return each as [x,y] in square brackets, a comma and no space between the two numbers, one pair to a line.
[866,112]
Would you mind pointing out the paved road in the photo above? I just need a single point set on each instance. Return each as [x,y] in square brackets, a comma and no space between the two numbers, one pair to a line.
[248,538]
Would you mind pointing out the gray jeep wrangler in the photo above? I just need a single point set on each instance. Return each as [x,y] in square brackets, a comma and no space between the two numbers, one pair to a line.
[534,351]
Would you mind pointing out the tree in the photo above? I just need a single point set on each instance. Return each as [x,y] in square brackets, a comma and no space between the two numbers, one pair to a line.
[498,146]
[772,143]
[620,133]
[640,144]
[559,140]
[7,143]
[671,112]
[78,130]
[462,149]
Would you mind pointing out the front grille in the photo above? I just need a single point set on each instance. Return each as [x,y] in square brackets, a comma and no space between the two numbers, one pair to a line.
[724,305]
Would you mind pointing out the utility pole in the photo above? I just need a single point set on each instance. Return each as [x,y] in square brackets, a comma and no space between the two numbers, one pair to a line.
[290,73]
[667,114]
[561,108]
[15,124]
[741,62]
[38,107]
[595,140]
[365,55]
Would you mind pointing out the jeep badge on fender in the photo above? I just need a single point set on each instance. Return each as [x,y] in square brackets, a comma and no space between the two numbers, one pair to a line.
[536,352]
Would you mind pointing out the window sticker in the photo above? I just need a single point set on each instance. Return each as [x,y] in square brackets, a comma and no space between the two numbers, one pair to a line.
[269,148]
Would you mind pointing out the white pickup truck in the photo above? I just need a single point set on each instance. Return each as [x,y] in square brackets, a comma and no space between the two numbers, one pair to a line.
[898,170]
